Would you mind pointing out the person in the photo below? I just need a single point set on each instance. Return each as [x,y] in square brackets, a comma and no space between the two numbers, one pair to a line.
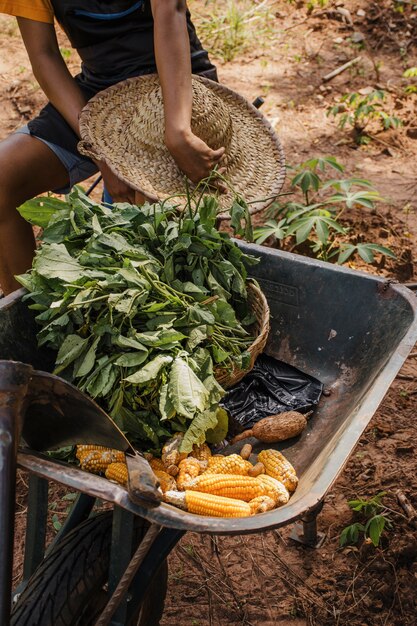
[115,40]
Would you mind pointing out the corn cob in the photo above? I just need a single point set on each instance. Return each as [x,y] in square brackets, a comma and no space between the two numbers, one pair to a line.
[277,466]
[189,468]
[166,482]
[171,454]
[275,489]
[229,486]
[208,504]
[240,487]
[157,465]
[233,464]
[214,460]
[117,456]
[96,461]
[117,472]
[261,504]
[202,453]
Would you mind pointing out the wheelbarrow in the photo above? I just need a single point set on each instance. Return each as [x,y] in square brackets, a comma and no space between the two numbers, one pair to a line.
[349,329]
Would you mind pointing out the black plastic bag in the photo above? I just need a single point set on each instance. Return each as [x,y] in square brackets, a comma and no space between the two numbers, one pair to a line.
[271,387]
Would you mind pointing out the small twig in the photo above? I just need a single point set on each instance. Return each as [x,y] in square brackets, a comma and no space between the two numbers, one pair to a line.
[407,507]
[341,69]
[405,377]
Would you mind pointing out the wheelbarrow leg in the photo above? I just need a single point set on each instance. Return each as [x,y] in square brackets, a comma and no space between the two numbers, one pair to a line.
[305,531]
[14,379]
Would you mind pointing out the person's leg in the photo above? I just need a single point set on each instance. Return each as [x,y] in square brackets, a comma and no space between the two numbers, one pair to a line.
[28,168]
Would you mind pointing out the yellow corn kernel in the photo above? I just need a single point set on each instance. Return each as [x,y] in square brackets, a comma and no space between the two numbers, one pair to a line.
[157,465]
[208,504]
[166,482]
[232,464]
[202,453]
[117,472]
[229,486]
[261,504]
[189,468]
[277,466]
[213,461]
[275,489]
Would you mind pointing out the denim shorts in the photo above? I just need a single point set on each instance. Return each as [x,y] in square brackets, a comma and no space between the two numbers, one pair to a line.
[78,167]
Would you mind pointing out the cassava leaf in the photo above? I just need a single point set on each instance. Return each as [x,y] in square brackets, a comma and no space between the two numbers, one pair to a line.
[196,432]
[70,350]
[186,391]
[54,261]
[149,371]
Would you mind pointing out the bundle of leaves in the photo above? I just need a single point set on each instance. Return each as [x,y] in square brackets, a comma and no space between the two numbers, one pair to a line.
[141,304]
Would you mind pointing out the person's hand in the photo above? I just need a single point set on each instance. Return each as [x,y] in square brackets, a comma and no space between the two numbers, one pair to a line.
[194,157]
[118,189]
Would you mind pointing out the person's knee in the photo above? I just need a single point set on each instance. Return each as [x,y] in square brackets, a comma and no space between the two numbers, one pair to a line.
[15,177]
[10,195]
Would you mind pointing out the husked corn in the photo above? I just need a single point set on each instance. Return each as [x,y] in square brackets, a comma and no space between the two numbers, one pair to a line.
[188,469]
[117,456]
[240,487]
[118,473]
[157,465]
[96,461]
[277,466]
[202,452]
[232,464]
[171,454]
[166,481]
[275,489]
[261,504]
[208,504]
[230,486]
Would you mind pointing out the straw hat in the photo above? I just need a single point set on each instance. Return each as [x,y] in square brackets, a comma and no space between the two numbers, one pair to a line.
[124,126]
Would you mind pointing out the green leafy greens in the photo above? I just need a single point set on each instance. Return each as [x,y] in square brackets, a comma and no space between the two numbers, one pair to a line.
[141,304]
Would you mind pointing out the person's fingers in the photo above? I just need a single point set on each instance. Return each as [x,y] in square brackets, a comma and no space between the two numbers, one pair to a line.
[216,155]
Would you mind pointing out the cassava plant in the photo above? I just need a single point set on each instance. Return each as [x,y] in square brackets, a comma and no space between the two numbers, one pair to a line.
[358,111]
[314,217]
[373,520]
[411,87]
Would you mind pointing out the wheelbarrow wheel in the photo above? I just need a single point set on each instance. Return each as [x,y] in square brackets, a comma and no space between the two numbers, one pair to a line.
[68,588]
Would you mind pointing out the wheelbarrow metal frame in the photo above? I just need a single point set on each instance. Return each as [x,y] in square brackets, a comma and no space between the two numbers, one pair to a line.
[357,393]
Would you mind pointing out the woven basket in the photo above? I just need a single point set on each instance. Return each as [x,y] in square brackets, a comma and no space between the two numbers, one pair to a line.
[258,304]
[124,126]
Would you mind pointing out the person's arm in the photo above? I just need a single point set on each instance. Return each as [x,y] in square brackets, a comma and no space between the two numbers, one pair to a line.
[173,61]
[51,71]
[61,89]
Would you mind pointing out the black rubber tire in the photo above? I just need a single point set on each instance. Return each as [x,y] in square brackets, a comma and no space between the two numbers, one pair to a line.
[67,589]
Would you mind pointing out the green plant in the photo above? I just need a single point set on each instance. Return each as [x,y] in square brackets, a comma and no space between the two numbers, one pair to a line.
[229,31]
[374,519]
[358,111]
[311,4]
[141,304]
[411,72]
[316,217]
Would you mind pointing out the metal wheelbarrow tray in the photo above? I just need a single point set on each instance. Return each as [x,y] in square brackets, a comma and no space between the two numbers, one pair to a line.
[349,329]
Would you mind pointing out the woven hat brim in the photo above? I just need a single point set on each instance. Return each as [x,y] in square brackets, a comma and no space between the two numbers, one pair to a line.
[255,163]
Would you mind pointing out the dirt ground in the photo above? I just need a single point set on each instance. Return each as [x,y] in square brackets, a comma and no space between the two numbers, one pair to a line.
[267,579]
